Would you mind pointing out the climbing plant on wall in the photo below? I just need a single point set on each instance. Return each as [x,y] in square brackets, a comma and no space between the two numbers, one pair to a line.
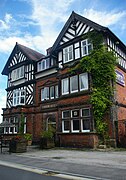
[100,64]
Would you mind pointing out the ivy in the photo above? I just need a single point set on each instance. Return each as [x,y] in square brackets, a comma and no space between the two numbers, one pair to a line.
[100,64]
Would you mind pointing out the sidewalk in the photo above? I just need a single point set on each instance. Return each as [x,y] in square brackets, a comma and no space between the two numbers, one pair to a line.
[87,164]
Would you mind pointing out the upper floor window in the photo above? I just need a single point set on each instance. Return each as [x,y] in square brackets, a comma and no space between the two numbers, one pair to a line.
[75,84]
[18,97]
[17,73]
[49,93]
[86,47]
[68,54]
[44,64]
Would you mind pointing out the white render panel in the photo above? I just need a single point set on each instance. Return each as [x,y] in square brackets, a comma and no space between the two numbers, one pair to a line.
[60,56]
[69,36]
[71,31]
[76,45]
[46,73]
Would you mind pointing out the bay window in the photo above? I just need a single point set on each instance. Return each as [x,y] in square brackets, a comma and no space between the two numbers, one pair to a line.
[17,73]
[43,64]
[76,120]
[18,97]
[49,93]
[77,83]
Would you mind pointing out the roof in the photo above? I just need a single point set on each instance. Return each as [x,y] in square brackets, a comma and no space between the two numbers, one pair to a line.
[28,52]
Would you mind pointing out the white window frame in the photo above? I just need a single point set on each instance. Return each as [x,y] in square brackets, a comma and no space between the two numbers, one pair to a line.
[71,79]
[66,53]
[63,130]
[74,131]
[86,81]
[17,73]
[43,64]
[86,46]
[17,98]
[63,86]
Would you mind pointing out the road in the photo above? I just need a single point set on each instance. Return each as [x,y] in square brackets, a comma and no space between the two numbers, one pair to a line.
[7,173]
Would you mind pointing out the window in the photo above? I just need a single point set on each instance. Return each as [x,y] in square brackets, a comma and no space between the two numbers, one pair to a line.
[43,64]
[85,122]
[77,83]
[49,93]
[85,112]
[52,92]
[68,54]
[45,93]
[75,125]
[85,125]
[83,81]
[66,114]
[66,126]
[86,47]
[76,120]
[74,84]
[65,86]
[18,97]
[17,73]
[75,113]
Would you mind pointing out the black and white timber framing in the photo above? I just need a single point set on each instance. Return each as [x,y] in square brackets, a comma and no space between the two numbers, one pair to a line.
[21,57]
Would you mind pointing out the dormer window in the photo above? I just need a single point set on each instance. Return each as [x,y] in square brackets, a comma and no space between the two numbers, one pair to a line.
[86,47]
[68,54]
[17,73]
[43,64]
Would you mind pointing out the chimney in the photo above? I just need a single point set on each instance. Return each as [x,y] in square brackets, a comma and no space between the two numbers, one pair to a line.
[48,50]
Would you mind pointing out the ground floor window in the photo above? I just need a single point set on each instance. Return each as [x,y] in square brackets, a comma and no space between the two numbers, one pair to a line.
[76,120]
[12,125]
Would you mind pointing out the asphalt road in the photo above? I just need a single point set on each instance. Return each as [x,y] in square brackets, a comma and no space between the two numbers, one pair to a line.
[9,173]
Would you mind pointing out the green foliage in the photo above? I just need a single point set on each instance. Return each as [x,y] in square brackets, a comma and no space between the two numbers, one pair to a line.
[22,121]
[28,136]
[49,134]
[100,64]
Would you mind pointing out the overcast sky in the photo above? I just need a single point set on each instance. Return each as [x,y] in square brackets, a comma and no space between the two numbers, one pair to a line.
[37,23]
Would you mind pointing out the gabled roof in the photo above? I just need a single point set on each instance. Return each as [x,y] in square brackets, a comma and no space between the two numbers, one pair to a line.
[74,19]
[28,52]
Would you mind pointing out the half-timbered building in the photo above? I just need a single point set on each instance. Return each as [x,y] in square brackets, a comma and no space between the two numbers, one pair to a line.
[43,88]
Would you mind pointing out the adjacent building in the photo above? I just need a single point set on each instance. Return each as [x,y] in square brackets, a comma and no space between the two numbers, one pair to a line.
[43,89]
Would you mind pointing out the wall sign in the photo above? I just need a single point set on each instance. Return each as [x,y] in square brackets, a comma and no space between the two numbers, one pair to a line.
[120,78]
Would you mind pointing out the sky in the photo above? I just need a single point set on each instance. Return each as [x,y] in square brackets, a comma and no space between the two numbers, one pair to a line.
[37,23]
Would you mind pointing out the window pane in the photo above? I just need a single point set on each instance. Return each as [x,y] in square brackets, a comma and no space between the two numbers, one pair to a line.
[42,94]
[46,92]
[86,125]
[75,125]
[52,92]
[74,84]
[65,126]
[56,92]
[47,63]
[65,86]
[75,113]
[86,112]
[66,114]
[83,79]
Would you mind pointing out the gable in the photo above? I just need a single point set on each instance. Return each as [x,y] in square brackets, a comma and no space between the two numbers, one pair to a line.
[75,26]
[19,54]
[75,29]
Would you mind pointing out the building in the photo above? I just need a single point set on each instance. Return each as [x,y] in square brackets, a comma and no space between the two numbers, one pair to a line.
[44,90]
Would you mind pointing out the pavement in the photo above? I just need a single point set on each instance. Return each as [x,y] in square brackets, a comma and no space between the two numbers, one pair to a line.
[82,164]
